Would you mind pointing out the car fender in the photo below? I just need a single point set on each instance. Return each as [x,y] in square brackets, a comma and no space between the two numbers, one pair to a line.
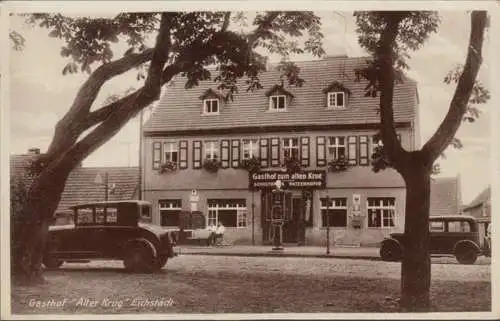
[145,241]
[466,243]
[391,240]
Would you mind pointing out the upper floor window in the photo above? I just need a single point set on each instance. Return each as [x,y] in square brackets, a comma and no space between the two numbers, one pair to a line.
[291,148]
[336,99]
[336,148]
[211,149]
[250,148]
[171,152]
[277,102]
[211,106]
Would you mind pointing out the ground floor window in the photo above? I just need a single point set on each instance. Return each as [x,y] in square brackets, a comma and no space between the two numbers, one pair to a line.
[381,211]
[230,212]
[170,210]
[334,211]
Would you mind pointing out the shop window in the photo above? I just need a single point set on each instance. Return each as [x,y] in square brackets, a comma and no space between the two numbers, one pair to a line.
[334,212]
[230,212]
[381,212]
[170,210]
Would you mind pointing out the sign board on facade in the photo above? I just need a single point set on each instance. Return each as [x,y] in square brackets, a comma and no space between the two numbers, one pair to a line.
[315,179]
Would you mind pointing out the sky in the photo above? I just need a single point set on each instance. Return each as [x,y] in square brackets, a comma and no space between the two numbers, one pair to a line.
[40,95]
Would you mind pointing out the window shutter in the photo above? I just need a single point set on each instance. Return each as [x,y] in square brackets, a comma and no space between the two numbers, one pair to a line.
[196,154]
[224,151]
[264,152]
[304,152]
[235,153]
[363,150]
[320,151]
[351,150]
[275,152]
[156,155]
[183,154]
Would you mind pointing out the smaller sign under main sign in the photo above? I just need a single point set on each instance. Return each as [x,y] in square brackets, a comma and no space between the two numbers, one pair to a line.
[296,180]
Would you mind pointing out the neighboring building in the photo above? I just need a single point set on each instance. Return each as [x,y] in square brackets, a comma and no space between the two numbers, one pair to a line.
[446,196]
[82,186]
[329,117]
[480,208]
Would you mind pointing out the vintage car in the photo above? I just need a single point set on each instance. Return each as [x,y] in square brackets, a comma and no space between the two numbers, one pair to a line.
[119,230]
[449,235]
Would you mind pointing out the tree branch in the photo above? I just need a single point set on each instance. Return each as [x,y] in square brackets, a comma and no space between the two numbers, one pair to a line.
[385,61]
[67,129]
[227,20]
[458,106]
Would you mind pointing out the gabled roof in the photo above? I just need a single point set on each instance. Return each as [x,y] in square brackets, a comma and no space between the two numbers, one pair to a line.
[81,187]
[445,196]
[178,109]
[483,198]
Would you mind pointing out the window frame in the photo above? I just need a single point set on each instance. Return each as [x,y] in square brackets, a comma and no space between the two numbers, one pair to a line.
[384,210]
[289,147]
[336,146]
[174,147]
[210,101]
[175,205]
[241,213]
[277,97]
[336,204]
[335,94]
[215,146]
[250,145]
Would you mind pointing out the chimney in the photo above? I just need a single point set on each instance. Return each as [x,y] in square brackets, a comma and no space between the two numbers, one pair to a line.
[34,151]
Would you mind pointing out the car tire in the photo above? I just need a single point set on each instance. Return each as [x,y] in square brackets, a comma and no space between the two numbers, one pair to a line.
[139,257]
[161,261]
[391,251]
[466,255]
[51,263]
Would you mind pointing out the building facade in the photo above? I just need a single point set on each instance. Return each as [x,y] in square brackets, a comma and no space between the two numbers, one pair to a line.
[480,208]
[199,152]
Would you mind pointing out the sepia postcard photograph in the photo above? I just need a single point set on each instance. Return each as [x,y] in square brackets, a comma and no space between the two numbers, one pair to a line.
[249,160]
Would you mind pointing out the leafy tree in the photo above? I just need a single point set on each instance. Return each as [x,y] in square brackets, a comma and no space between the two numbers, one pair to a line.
[390,37]
[186,43]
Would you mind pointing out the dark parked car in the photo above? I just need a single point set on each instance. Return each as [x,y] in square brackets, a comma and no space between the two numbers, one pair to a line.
[449,235]
[119,230]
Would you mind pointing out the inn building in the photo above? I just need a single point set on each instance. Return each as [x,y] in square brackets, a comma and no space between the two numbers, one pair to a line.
[200,152]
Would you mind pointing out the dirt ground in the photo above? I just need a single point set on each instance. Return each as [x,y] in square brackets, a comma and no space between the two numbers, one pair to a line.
[218,284]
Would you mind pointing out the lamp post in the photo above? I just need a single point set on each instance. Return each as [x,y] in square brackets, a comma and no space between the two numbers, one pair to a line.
[328,199]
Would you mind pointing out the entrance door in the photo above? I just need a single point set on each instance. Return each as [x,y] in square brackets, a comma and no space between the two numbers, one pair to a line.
[292,229]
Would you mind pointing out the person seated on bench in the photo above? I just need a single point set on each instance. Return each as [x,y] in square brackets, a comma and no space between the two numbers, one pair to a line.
[211,235]
[219,234]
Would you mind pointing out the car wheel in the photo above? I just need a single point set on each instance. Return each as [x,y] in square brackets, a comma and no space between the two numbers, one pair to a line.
[51,263]
[139,257]
[466,255]
[161,261]
[391,251]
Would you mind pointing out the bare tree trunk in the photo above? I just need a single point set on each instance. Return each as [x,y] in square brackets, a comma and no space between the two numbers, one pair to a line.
[416,265]
[30,230]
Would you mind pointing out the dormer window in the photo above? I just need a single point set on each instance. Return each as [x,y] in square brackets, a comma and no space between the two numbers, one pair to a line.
[210,106]
[277,102]
[279,98]
[336,99]
[336,95]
